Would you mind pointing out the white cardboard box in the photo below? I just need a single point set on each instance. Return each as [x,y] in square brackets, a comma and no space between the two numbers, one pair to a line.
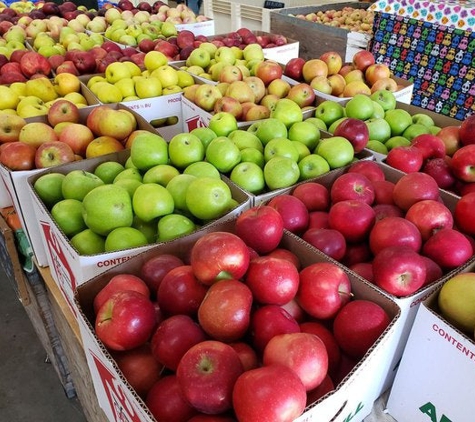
[198,28]
[352,400]
[434,381]
[68,268]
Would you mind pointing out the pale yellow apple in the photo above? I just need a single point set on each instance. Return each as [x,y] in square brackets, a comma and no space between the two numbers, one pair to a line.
[9,99]
[107,93]
[76,98]
[133,68]
[167,75]
[148,87]
[42,88]
[127,87]
[65,83]
[116,71]
[37,133]
[94,79]
[31,106]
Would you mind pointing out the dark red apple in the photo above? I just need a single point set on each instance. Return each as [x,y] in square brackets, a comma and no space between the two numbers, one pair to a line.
[356,131]
[467,130]
[330,241]
[154,269]
[293,211]
[314,195]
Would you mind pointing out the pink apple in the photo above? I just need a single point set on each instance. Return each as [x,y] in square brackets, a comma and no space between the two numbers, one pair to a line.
[430,145]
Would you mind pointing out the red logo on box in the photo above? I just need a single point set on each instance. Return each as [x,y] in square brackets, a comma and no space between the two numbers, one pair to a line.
[195,122]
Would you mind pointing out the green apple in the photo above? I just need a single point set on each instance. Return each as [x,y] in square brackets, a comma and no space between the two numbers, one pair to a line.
[281,172]
[399,120]
[245,139]
[208,198]
[148,150]
[225,54]
[336,150]
[378,111]
[396,141]
[434,129]
[253,155]
[78,183]
[199,57]
[249,176]
[423,119]
[379,129]
[161,174]
[107,207]
[49,188]
[319,123]
[377,146]
[287,111]
[223,123]
[334,125]
[268,129]
[67,214]
[148,228]
[386,99]
[305,132]
[129,184]
[329,111]
[108,170]
[124,238]
[302,150]
[178,187]
[202,169]
[129,173]
[88,242]
[223,154]
[116,71]
[457,301]
[359,107]
[312,166]
[415,129]
[172,226]
[151,200]
[205,134]
[281,147]
[184,149]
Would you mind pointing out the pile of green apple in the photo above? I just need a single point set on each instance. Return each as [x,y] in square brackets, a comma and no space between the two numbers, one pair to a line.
[126,81]
[154,195]
[350,18]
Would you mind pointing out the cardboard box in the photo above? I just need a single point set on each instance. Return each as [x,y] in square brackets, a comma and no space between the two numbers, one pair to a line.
[410,303]
[68,268]
[434,381]
[315,38]
[16,185]
[198,28]
[436,57]
[353,398]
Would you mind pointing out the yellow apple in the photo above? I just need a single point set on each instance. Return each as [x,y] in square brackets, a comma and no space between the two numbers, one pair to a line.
[8,98]
[127,87]
[42,88]
[31,106]
[148,87]
[167,75]
[65,83]
[116,71]
[37,133]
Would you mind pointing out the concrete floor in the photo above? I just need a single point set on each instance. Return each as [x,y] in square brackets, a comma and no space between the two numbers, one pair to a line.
[30,389]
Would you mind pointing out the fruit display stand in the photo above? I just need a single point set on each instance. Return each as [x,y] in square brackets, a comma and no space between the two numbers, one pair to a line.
[354,397]
[233,14]
[425,384]
[315,38]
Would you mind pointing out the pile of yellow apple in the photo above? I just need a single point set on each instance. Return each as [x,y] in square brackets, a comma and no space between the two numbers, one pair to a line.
[330,75]
[126,81]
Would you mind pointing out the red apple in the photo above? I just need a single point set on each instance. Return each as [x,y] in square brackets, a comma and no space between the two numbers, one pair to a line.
[325,387]
[399,270]
[247,354]
[450,137]
[433,270]
[53,153]
[383,192]
[362,59]
[261,228]
[125,321]
[387,210]
[363,269]
[293,68]
[268,70]
[408,159]
[358,325]
[464,214]
[356,131]
[33,63]
[304,353]
[180,292]
[318,220]
[18,156]
[463,163]
[414,187]
[117,283]
[430,145]
[173,337]
[225,312]
[272,281]
[394,231]
[207,373]
[441,170]
[314,195]
[283,253]
[155,268]
[357,252]
[466,131]
[449,248]
[272,393]
[352,186]
[219,255]
[292,210]
[430,216]
[324,288]
[371,169]
[330,241]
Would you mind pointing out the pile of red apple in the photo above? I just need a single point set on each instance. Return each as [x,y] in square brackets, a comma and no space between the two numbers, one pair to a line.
[448,156]
[329,75]
[401,235]
[62,137]
[350,18]
[22,66]
[239,329]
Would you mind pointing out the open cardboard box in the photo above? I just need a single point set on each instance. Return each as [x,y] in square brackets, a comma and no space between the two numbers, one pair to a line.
[352,399]
[69,269]
[16,185]
[435,377]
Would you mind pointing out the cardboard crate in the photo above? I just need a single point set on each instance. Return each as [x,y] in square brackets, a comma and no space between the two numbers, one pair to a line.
[435,378]
[352,399]
[163,113]
[16,185]
[316,39]
[68,268]
[408,304]
[206,27]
